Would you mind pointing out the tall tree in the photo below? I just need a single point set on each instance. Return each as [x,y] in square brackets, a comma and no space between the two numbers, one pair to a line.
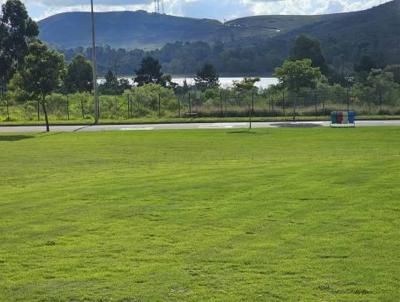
[295,75]
[79,76]
[149,72]
[111,84]
[207,77]
[308,48]
[41,75]
[17,30]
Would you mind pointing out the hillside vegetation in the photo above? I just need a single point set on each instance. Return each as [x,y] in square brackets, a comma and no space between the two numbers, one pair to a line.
[145,30]
[124,29]
[253,45]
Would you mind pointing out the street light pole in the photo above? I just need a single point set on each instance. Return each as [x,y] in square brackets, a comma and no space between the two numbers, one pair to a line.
[95,91]
[350,81]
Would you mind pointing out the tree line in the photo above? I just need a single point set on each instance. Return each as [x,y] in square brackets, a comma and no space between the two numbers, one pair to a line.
[31,70]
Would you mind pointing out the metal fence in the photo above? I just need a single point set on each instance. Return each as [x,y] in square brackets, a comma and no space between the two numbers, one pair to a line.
[195,104]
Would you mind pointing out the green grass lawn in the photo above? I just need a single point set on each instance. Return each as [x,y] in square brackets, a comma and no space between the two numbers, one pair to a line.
[271,215]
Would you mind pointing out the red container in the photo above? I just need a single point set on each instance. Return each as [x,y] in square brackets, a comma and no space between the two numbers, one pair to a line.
[340,117]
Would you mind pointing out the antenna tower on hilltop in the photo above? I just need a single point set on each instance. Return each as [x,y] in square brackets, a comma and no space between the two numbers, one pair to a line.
[159,6]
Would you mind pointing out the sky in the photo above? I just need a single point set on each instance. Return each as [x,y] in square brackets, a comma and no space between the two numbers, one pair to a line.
[216,9]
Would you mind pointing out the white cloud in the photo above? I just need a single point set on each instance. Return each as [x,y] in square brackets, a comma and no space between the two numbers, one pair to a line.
[306,7]
[220,9]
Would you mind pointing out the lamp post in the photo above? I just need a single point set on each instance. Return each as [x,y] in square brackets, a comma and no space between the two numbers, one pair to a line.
[95,92]
[350,81]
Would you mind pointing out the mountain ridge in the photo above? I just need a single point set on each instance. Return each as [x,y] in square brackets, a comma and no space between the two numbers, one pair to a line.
[251,45]
[143,30]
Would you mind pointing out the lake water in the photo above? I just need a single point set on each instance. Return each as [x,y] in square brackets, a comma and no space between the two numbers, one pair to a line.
[225,82]
[228,82]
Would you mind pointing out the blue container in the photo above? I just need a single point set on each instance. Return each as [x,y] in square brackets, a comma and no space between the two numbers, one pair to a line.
[352,117]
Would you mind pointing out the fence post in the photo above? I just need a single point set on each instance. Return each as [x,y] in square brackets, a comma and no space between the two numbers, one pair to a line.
[38,110]
[283,103]
[316,104]
[129,107]
[272,104]
[190,104]
[116,107]
[159,105]
[252,102]
[251,110]
[179,106]
[82,109]
[137,107]
[99,108]
[8,111]
[224,109]
[67,108]
[348,99]
[221,103]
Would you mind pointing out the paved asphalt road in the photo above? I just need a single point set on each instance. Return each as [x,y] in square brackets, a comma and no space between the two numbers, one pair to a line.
[91,128]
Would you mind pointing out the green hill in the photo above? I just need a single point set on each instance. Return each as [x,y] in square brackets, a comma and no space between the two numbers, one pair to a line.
[125,29]
[149,31]
[346,37]
[253,45]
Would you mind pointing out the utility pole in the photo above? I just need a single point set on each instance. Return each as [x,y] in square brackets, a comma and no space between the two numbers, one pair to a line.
[162,7]
[94,62]
[159,6]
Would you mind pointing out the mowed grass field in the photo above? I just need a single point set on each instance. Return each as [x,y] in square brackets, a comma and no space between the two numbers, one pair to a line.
[270,215]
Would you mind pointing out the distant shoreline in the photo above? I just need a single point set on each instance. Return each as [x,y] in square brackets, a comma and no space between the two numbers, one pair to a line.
[226,82]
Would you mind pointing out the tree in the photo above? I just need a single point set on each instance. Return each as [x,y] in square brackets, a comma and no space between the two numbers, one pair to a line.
[111,84]
[166,81]
[363,94]
[123,84]
[395,70]
[149,72]
[364,67]
[245,86]
[41,75]
[309,48]
[207,77]
[114,86]
[382,84]
[17,30]
[79,76]
[5,60]
[295,75]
